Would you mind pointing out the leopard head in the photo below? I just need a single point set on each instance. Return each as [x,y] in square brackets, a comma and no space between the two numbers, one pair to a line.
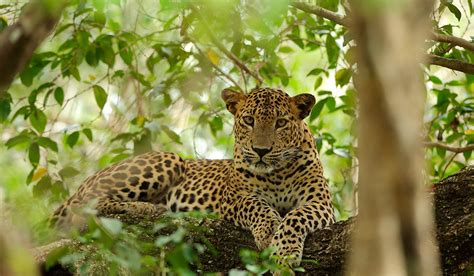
[268,127]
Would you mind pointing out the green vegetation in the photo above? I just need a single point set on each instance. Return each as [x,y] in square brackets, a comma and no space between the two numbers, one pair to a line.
[119,78]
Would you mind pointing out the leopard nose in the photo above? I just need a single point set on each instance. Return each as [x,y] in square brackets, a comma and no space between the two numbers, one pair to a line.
[261,151]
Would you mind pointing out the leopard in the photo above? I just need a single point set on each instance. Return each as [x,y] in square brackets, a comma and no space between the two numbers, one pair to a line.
[274,186]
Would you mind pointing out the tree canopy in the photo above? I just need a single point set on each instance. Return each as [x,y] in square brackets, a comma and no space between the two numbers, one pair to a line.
[117,78]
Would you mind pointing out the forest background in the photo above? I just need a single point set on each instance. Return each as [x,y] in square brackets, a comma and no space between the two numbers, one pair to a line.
[118,78]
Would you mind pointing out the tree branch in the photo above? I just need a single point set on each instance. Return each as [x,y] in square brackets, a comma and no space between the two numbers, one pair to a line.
[316,10]
[329,247]
[461,42]
[223,49]
[432,59]
[227,76]
[19,41]
[453,64]
[449,148]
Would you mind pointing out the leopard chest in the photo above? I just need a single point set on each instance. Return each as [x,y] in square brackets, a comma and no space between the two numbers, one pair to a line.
[281,194]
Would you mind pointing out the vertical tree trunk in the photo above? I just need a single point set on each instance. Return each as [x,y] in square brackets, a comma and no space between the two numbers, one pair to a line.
[19,41]
[394,232]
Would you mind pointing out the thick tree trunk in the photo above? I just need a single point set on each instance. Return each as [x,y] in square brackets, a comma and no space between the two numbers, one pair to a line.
[454,208]
[394,226]
[19,41]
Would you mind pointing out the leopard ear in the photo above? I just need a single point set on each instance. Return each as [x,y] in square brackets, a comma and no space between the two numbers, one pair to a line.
[232,99]
[303,103]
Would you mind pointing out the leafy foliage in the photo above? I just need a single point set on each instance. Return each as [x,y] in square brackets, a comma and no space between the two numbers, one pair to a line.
[118,79]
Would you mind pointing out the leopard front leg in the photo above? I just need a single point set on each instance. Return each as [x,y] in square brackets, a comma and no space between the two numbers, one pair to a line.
[296,225]
[254,214]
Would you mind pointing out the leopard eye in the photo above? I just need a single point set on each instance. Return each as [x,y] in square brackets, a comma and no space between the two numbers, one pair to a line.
[281,123]
[248,120]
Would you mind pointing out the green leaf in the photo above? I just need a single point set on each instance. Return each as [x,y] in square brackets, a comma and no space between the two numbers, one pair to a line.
[454,10]
[467,155]
[167,99]
[285,49]
[72,138]
[329,4]
[75,73]
[24,110]
[171,134]
[5,107]
[17,140]
[332,51]
[331,103]
[46,142]
[119,157]
[82,39]
[318,82]
[38,120]
[99,4]
[105,51]
[125,53]
[113,226]
[316,72]
[317,109]
[343,76]
[216,125]
[434,79]
[441,152]
[100,19]
[3,23]
[100,96]
[43,186]
[34,154]
[88,133]
[91,57]
[29,74]
[67,172]
[59,95]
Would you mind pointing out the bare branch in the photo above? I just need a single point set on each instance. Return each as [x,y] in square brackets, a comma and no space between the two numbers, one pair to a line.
[328,246]
[453,64]
[449,148]
[461,42]
[432,59]
[316,10]
[19,41]
[345,21]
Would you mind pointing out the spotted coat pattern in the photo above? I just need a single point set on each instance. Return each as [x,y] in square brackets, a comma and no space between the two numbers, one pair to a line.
[274,186]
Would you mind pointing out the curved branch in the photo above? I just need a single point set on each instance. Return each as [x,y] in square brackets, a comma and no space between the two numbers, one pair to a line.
[329,247]
[453,64]
[316,10]
[432,59]
[461,42]
[449,148]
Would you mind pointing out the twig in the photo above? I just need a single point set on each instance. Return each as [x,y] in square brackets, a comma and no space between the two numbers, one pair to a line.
[223,49]
[449,148]
[447,164]
[316,10]
[227,76]
[453,64]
